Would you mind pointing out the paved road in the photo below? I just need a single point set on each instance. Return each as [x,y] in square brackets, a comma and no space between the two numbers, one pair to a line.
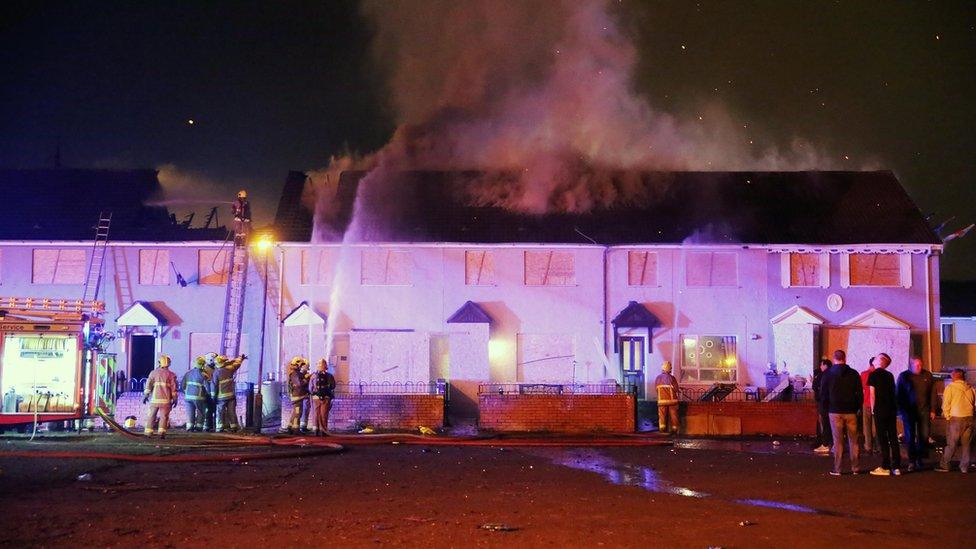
[684,496]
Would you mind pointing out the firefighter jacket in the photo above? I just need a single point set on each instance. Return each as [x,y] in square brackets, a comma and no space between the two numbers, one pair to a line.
[241,209]
[225,379]
[667,389]
[196,386]
[298,386]
[323,385]
[161,386]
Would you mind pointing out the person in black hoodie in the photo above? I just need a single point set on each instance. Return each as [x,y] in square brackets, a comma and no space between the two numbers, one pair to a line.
[824,438]
[916,400]
[841,389]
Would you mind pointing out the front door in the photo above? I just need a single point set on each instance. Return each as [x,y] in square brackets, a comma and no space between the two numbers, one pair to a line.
[142,355]
[632,357]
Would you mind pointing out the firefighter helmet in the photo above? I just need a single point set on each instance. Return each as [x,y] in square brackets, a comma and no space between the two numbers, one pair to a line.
[164,361]
[666,367]
[242,194]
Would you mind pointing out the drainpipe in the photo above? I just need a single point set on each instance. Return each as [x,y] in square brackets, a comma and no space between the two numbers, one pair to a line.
[281,301]
[929,312]
[606,304]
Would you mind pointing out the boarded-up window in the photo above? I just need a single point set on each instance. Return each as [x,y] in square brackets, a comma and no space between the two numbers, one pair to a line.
[317,266]
[385,268]
[642,268]
[479,268]
[550,268]
[875,269]
[214,266]
[809,269]
[58,266]
[704,269]
[154,267]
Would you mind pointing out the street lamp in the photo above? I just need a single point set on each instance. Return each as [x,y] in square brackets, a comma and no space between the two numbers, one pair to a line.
[263,245]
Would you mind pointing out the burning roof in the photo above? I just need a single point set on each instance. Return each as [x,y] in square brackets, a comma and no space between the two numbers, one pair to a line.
[810,207]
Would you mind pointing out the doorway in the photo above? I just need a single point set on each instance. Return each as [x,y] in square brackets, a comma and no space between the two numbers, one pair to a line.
[142,355]
[632,357]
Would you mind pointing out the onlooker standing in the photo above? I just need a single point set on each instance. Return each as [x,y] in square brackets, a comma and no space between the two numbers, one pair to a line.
[915,397]
[842,390]
[322,388]
[824,438]
[867,422]
[958,402]
[881,400]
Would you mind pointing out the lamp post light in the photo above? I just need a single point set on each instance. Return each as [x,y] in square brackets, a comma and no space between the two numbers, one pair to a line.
[264,245]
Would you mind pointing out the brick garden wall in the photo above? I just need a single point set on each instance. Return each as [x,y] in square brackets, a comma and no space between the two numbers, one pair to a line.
[557,413]
[749,418]
[130,404]
[392,412]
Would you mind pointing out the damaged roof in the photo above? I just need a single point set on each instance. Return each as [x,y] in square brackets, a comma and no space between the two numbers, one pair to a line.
[810,207]
[64,204]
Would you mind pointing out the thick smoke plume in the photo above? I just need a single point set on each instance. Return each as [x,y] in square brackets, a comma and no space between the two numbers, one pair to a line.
[541,89]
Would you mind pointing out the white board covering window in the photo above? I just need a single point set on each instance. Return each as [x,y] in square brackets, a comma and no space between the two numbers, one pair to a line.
[805,270]
[708,358]
[642,268]
[550,268]
[876,269]
[213,266]
[711,269]
[479,268]
[317,266]
[154,267]
[385,268]
[58,266]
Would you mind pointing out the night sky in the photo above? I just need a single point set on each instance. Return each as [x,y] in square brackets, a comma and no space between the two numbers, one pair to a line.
[273,87]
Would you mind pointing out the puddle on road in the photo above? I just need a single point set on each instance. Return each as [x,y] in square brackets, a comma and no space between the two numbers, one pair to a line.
[751,446]
[625,474]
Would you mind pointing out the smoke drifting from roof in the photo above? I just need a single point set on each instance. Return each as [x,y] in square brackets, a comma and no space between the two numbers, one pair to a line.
[543,89]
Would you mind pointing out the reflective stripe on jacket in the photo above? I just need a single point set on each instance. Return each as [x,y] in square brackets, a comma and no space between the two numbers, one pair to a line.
[161,384]
[667,389]
[195,385]
[225,383]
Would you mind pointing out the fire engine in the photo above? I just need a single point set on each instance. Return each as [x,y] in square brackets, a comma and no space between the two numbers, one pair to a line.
[53,364]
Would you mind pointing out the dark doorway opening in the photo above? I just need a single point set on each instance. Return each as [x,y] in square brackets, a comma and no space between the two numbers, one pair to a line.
[141,356]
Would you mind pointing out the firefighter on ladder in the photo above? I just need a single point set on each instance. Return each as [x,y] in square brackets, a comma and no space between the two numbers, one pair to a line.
[667,400]
[160,393]
[226,395]
[241,209]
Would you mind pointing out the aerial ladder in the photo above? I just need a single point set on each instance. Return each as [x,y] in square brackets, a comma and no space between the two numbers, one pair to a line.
[93,280]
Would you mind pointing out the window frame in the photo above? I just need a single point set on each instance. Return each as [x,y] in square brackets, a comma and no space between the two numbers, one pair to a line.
[735,257]
[488,257]
[682,365]
[904,271]
[786,270]
[54,281]
[656,283]
[545,284]
[168,260]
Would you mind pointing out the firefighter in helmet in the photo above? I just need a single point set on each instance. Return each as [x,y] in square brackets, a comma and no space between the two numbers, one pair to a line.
[242,218]
[161,395]
[667,400]
[226,395]
[298,377]
[196,394]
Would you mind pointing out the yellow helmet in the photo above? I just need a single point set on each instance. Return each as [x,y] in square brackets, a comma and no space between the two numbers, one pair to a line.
[242,194]
[201,361]
[297,361]
[666,367]
[164,361]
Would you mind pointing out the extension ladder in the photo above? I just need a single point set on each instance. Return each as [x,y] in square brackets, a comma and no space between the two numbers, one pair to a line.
[230,335]
[94,278]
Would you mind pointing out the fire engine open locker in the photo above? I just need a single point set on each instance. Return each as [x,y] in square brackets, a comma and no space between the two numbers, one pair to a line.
[52,364]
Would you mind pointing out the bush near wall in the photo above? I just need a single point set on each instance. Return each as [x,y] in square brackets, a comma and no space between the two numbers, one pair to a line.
[389,412]
[574,413]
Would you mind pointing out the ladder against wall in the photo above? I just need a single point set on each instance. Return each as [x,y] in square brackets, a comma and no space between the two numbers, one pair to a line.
[123,283]
[93,280]
[230,335]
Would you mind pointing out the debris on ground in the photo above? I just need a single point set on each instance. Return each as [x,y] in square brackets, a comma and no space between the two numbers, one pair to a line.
[425,430]
[498,527]
[85,477]
[747,523]
[366,431]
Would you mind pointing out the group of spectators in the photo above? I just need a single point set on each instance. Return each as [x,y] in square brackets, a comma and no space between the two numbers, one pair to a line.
[868,404]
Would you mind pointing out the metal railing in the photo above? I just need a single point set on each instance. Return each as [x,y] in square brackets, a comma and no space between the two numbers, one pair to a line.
[554,388]
[436,387]
[740,394]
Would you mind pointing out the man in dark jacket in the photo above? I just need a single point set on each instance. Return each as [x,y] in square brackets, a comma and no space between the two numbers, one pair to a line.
[842,391]
[916,395]
[824,438]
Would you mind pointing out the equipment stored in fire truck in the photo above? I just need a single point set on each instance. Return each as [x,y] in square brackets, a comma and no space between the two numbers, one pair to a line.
[52,361]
